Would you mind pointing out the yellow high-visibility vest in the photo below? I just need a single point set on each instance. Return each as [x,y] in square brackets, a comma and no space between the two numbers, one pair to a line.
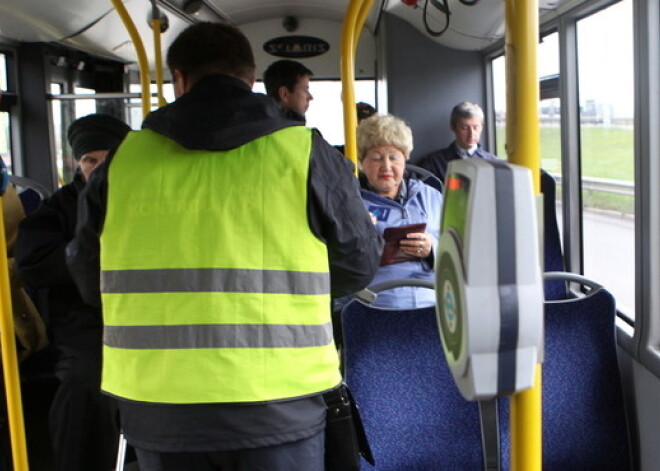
[214,288]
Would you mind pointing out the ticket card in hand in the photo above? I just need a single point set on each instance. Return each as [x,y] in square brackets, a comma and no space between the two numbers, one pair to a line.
[392,251]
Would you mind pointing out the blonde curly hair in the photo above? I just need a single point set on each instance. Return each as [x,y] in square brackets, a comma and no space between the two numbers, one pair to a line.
[384,130]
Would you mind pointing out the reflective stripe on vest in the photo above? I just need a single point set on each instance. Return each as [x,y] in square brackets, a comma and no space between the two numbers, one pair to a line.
[217,336]
[213,279]
[214,287]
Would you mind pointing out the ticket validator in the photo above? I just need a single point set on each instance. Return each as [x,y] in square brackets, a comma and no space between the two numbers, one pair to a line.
[488,278]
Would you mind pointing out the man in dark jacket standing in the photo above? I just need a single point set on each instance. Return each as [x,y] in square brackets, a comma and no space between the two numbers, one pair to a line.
[217,269]
[287,82]
[466,122]
[83,434]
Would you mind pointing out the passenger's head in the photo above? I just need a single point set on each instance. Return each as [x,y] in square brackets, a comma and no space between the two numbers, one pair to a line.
[91,138]
[364,111]
[467,120]
[288,83]
[384,145]
[204,49]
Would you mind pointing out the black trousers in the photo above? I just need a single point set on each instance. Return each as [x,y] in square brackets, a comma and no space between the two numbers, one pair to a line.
[303,455]
[83,422]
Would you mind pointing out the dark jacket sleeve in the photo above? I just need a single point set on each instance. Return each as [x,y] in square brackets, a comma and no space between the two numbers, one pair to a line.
[436,162]
[83,252]
[42,239]
[337,216]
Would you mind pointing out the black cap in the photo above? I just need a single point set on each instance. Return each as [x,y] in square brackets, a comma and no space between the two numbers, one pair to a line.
[95,132]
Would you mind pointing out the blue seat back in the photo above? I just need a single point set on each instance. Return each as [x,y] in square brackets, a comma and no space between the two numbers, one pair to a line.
[584,421]
[31,192]
[414,416]
[425,176]
[31,200]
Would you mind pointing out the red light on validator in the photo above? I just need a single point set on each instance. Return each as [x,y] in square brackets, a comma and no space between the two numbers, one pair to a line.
[454,183]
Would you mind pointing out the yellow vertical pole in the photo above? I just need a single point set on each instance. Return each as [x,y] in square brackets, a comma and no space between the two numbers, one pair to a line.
[356,15]
[158,55]
[348,78]
[522,121]
[522,131]
[145,79]
[10,360]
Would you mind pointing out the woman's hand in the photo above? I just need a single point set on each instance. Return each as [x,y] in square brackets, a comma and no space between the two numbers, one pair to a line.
[417,244]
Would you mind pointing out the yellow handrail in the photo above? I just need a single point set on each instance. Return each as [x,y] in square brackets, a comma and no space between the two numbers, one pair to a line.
[523,148]
[347,80]
[522,126]
[158,54]
[145,79]
[356,15]
[365,8]
[10,360]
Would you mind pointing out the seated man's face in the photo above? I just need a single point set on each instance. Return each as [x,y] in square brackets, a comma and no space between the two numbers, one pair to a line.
[298,99]
[468,132]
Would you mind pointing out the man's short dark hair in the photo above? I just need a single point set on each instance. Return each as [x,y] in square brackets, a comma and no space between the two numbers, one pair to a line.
[364,111]
[212,48]
[283,73]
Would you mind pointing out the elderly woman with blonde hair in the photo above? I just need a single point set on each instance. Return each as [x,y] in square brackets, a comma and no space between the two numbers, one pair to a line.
[396,200]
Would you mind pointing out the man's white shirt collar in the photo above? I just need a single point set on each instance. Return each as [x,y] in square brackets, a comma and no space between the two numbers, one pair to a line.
[465,153]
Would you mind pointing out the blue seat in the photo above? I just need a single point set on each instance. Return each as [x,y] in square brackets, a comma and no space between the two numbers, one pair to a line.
[31,192]
[584,421]
[425,176]
[413,414]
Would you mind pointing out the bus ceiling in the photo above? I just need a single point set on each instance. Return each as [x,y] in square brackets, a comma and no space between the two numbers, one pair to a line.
[94,27]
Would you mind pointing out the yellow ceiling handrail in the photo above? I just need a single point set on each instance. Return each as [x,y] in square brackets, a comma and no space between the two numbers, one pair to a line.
[356,15]
[143,64]
[365,8]
[156,24]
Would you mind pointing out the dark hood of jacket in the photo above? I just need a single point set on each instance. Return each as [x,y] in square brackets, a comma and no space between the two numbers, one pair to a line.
[218,113]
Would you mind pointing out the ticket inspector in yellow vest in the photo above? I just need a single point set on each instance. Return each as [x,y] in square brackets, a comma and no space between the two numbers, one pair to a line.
[214,288]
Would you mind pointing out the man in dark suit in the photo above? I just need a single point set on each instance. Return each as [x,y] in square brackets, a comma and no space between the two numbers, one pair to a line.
[466,123]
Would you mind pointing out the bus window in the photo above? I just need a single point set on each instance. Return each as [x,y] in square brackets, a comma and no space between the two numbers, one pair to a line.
[5,143]
[499,99]
[63,176]
[607,150]
[84,107]
[5,148]
[550,114]
[326,112]
[135,117]
[550,105]
[3,72]
[549,108]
